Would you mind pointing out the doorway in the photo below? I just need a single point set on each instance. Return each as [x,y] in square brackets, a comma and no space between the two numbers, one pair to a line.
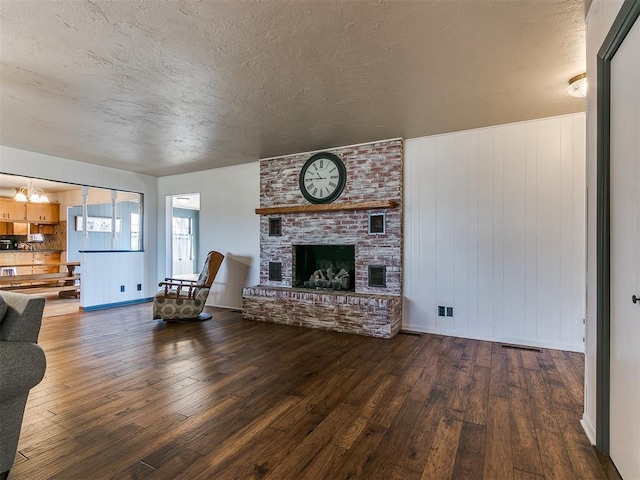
[185,218]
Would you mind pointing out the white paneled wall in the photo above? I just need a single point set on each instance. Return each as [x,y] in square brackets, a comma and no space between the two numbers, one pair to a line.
[104,273]
[495,228]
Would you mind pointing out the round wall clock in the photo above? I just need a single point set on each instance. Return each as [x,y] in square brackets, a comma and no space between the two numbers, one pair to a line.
[322,178]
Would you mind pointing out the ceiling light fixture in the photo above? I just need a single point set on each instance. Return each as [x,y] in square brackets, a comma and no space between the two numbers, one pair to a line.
[31,194]
[578,85]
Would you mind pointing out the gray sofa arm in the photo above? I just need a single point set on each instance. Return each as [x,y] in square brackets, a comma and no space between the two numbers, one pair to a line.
[22,321]
[22,367]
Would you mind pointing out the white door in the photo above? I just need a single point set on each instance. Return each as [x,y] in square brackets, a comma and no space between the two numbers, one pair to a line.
[625,257]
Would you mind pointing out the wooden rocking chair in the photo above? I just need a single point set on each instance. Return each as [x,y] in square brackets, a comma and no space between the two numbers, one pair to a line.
[185,299]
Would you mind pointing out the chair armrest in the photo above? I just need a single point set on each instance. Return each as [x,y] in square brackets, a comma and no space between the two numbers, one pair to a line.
[180,280]
[178,284]
[22,367]
[22,321]
[179,287]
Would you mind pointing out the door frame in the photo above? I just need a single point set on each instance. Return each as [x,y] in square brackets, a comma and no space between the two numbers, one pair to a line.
[625,19]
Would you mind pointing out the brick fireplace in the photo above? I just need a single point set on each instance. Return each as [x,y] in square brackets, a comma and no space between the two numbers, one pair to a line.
[359,294]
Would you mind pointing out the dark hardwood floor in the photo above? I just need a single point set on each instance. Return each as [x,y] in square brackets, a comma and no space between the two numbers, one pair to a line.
[126,396]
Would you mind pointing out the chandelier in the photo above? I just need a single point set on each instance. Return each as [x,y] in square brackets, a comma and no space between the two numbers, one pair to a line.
[30,194]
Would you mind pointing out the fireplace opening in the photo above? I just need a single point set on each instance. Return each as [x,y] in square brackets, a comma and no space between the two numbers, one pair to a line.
[324,267]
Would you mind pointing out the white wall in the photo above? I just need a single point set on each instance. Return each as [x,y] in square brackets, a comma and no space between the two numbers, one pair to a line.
[228,224]
[494,227]
[31,164]
[599,20]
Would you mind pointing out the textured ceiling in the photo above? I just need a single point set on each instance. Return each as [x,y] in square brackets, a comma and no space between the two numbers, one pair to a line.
[163,87]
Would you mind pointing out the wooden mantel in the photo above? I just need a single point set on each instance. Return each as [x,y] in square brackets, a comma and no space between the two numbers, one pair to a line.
[331,207]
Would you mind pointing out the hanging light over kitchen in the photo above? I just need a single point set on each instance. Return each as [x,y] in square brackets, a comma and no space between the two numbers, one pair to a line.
[31,194]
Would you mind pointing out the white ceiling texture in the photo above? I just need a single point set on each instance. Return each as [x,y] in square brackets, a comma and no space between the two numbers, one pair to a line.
[171,86]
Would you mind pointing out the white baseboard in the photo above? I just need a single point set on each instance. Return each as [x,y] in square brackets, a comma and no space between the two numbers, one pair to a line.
[490,338]
[588,428]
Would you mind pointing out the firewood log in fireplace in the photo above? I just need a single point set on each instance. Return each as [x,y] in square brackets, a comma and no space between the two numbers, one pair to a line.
[328,279]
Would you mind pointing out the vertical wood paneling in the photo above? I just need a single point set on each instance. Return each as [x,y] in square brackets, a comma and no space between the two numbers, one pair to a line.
[499,215]
[473,228]
[445,223]
[411,230]
[498,231]
[548,231]
[531,232]
[427,276]
[105,272]
[461,233]
[566,228]
[485,232]
[514,231]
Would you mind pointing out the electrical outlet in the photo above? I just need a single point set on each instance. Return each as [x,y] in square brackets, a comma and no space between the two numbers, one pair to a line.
[139,287]
[449,311]
[122,288]
[440,311]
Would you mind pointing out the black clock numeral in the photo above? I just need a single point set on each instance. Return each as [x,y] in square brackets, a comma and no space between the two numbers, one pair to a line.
[321,163]
[315,191]
[332,185]
[333,176]
[315,165]
[321,190]
[308,179]
[311,185]
[332,170]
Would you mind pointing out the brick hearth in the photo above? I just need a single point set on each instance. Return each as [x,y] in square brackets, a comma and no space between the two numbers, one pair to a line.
[359,313]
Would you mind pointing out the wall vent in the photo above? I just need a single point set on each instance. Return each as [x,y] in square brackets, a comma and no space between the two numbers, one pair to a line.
[521,347]
[409,332]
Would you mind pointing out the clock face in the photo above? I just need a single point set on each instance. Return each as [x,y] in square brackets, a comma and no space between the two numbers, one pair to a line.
[322,178]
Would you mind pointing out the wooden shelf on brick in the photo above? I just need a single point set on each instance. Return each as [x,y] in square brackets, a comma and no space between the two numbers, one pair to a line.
[331,207]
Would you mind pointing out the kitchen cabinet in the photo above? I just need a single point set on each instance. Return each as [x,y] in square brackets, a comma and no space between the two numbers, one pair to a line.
[20,228]
[42,228]
[9,228]
[40,258]
[12,211]
[8,258]
[43,212]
